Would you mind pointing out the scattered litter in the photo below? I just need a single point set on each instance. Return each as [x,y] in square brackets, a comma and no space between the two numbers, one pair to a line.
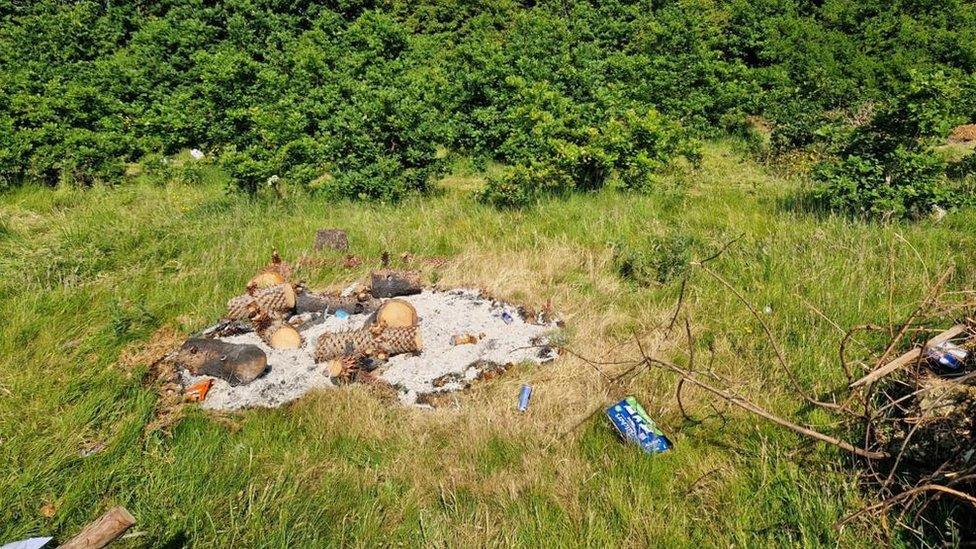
[465,339]
[524,394]
[507,317]
[341,314]
[198,391]
[30,543]
[634,425]
[948,355]
[197,154]
[91,448]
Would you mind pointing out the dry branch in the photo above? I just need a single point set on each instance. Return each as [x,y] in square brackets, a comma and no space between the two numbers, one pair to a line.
[751,407]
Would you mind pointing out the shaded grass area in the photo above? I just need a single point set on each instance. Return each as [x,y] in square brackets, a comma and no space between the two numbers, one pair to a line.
[88,277]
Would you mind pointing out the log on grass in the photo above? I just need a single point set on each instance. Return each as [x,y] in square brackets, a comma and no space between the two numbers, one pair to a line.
[235,363]
[334,239]
[393,283]
[106,529]
[368,341]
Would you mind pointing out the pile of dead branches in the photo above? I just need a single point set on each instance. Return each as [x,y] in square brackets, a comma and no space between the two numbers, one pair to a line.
[906,419]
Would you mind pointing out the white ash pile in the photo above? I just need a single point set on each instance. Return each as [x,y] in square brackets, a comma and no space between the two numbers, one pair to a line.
[281,340]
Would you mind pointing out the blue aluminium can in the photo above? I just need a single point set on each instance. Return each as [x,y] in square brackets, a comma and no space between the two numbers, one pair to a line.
[524,396]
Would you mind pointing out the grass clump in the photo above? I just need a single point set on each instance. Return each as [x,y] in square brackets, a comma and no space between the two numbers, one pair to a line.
[654,259]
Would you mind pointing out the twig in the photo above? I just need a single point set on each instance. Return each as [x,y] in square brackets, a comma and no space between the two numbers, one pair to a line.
[772,341]
[907,494]
[904,327]
[749,406]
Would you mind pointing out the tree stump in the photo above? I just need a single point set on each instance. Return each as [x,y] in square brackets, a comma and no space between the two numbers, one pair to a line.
[334,239]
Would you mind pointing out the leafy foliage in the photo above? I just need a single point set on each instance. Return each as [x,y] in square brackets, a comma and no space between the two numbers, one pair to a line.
[887,166]
[359,98]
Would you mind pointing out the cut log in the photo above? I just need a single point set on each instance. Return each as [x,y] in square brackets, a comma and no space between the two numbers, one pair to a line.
[280,335]
[392,283]
[312,302]
[334,239]
[106,529]
[235,363]
[909,357]
[265,280]
[368,341]
[396,313]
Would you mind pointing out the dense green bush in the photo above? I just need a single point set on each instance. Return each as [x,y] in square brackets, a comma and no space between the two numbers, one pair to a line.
[360,98]
[888,166]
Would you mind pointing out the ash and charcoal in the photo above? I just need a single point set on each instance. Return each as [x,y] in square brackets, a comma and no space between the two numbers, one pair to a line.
[503,337]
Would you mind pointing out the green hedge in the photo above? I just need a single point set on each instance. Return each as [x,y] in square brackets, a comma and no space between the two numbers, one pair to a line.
[366,98]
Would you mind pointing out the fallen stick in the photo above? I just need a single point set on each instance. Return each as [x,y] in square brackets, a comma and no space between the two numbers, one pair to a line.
[909,493]
[103,531]
[909,357]
[749,406]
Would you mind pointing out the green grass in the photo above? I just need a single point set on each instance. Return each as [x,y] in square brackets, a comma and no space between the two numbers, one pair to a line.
[87,276]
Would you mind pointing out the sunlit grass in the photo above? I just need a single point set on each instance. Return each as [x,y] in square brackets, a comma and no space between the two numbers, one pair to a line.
[85,274]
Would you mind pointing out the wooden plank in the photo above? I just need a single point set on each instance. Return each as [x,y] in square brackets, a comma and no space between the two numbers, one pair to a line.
[909,357]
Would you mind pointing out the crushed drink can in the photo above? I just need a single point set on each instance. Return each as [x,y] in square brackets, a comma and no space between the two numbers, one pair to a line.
[948,355]
[634,425]
[507,318]
[524,394]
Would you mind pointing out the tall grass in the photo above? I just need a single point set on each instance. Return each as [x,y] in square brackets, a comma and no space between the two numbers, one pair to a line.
[88,278]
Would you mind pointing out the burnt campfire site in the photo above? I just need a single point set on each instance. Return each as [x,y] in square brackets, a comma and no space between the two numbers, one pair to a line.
[280,339]
[903,419]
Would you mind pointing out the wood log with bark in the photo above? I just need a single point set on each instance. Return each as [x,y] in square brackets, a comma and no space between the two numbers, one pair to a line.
[314,302]
[393,283]
[278,300]
[235,363]
[274,273]
[373,341]
[103,531]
